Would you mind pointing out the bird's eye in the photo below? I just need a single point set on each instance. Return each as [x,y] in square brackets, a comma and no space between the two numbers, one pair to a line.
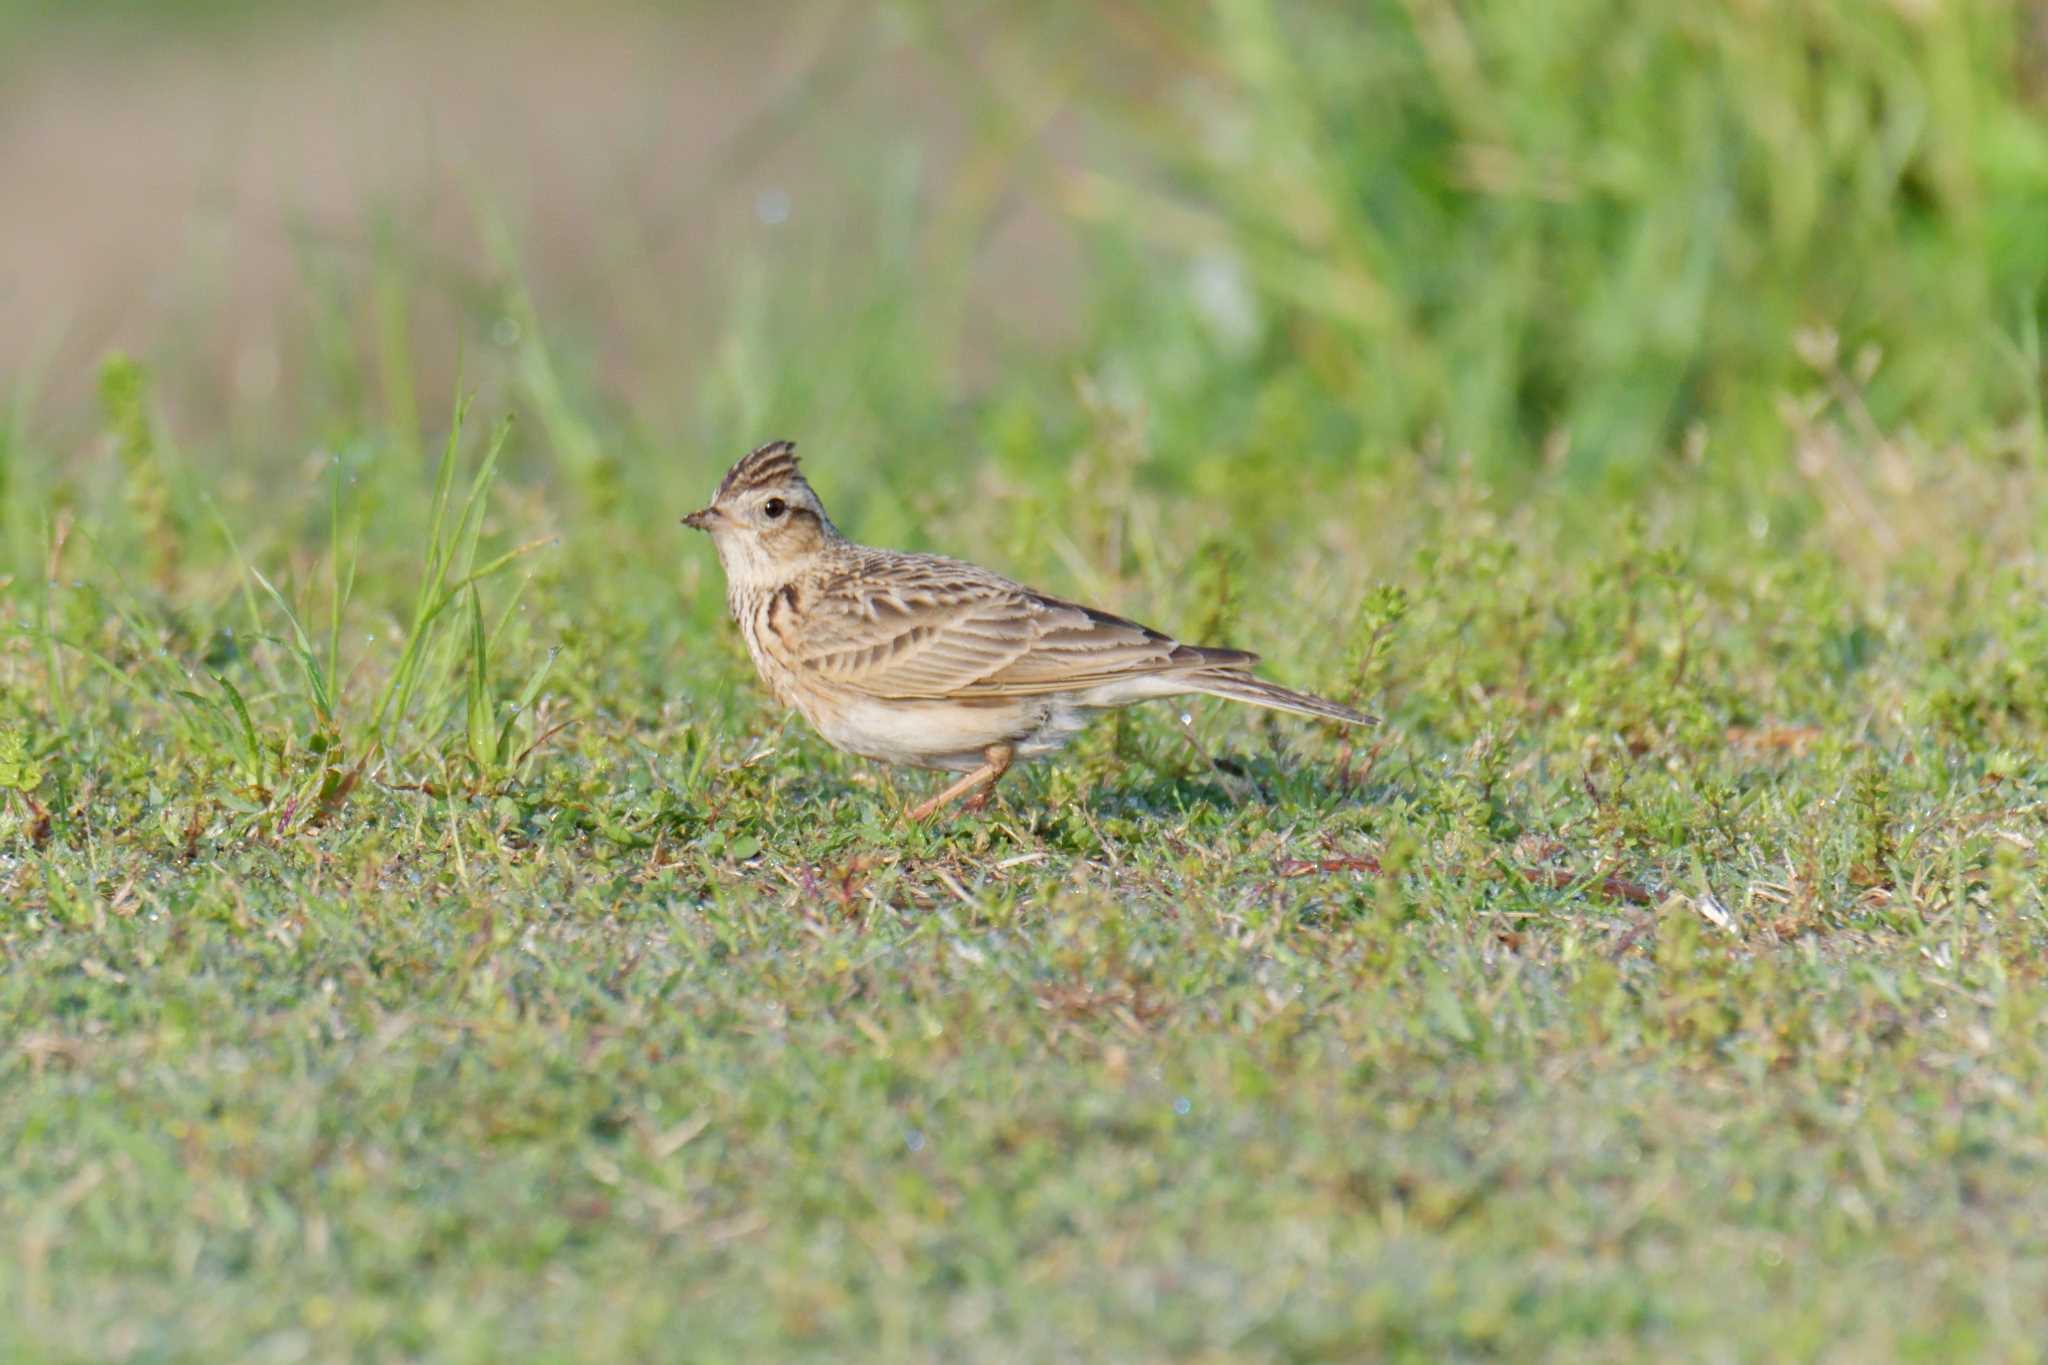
[773,508]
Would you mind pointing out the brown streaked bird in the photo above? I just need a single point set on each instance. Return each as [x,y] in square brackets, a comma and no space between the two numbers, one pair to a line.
[924,661]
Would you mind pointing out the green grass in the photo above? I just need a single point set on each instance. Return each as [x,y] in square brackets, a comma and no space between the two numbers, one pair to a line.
[421,938]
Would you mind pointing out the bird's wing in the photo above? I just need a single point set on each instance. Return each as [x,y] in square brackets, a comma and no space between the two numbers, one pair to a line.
[924,627]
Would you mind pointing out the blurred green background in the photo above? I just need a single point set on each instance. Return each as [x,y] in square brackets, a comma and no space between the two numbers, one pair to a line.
[1579,234]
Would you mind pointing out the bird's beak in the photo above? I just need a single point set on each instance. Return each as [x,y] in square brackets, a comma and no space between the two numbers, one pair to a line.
[702,520]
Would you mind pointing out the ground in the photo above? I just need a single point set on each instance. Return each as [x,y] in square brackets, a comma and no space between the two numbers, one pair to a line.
[421,937]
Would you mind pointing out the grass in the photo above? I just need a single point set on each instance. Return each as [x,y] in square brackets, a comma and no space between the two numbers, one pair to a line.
[422,939]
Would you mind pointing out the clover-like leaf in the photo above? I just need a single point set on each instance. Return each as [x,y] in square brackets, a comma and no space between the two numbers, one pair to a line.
[18,771]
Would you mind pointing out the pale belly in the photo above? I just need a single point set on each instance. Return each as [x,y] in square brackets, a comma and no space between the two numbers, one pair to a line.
[944,734]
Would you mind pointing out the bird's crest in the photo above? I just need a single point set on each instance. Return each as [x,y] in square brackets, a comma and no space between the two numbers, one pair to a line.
[771,463]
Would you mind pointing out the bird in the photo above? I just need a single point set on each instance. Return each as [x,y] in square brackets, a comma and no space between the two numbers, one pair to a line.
[923,661]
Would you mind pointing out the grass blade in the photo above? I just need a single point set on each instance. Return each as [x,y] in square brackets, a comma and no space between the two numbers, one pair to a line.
[480,747]
[317,684]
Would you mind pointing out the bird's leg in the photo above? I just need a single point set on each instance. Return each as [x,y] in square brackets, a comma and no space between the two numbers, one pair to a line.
[996,761]
[999,757]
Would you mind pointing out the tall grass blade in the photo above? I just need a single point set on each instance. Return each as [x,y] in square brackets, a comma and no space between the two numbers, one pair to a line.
[479,711]
[318,687]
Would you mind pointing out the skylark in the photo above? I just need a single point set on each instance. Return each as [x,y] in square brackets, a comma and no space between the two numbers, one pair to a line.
[919,660]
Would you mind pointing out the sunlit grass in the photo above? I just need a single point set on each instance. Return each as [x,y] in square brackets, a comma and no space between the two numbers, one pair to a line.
[420,936]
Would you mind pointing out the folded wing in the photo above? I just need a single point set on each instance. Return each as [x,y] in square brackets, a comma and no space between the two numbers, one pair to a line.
[940,628]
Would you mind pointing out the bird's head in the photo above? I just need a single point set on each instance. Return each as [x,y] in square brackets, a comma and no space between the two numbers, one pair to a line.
[764,518]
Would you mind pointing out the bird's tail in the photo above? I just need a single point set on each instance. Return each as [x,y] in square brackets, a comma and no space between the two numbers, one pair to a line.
[1241,686]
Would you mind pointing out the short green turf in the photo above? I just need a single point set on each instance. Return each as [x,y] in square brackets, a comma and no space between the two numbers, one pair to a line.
[420,938]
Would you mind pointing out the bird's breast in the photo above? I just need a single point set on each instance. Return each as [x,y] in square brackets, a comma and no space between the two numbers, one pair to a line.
[768,624]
